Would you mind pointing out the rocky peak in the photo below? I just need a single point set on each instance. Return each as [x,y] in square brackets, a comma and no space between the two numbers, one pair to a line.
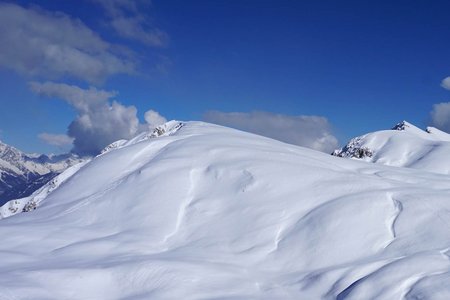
[401,126]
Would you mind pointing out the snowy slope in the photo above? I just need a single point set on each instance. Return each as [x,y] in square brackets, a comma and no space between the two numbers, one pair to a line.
[21,173]
[403,146]
[208,212]
[31,202]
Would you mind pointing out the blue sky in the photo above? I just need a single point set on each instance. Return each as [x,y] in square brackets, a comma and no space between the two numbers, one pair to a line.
[362,66]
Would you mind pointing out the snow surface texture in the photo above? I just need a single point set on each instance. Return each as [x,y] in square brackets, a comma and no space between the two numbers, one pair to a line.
[403,146]
[208,212]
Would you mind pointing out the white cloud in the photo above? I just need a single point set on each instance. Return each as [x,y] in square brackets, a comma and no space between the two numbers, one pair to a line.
[126,17]
[440,116]
[53,45]
[153,118]
[132,28]
[446,83]
[96,129]
[58,140]
[307,131]
[84,100]
[118,7]
[99,122]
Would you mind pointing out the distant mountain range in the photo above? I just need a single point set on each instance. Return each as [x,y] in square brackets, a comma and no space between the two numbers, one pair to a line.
[21,173]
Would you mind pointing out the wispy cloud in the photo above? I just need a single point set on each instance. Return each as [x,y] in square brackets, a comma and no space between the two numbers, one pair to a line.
[128,19]
[100,120]
[58,140]
[307,131]
[52,45]
[83,100]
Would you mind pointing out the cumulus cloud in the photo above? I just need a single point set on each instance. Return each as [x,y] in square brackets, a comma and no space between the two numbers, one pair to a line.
[307,131]
[126,17]
[53,45]
[100,120]
[58,140]
[95,129]
[153,118]
[440,116]
[446,83]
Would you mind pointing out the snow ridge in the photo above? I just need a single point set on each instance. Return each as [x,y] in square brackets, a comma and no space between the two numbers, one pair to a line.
[165,129]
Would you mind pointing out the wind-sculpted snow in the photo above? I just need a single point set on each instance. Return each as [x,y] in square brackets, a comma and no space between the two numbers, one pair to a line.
[208,212]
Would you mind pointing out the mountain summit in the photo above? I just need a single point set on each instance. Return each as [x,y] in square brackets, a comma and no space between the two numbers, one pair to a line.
[207,212]
[405,145]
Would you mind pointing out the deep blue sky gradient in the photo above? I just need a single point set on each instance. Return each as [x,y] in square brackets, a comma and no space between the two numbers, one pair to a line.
[363,65]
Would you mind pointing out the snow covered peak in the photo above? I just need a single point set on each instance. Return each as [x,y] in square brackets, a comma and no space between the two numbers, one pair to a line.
[166,129]
[113,145]
[411,129]
[9,153]
[21,173]
[405,125]
[404,146]
[13,159]
[402,125]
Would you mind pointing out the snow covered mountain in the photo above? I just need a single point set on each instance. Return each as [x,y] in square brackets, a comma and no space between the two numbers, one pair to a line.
[404,145]
[207,212]
[21,174]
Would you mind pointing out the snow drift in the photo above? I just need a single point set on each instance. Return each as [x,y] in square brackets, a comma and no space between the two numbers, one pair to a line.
[207,212]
